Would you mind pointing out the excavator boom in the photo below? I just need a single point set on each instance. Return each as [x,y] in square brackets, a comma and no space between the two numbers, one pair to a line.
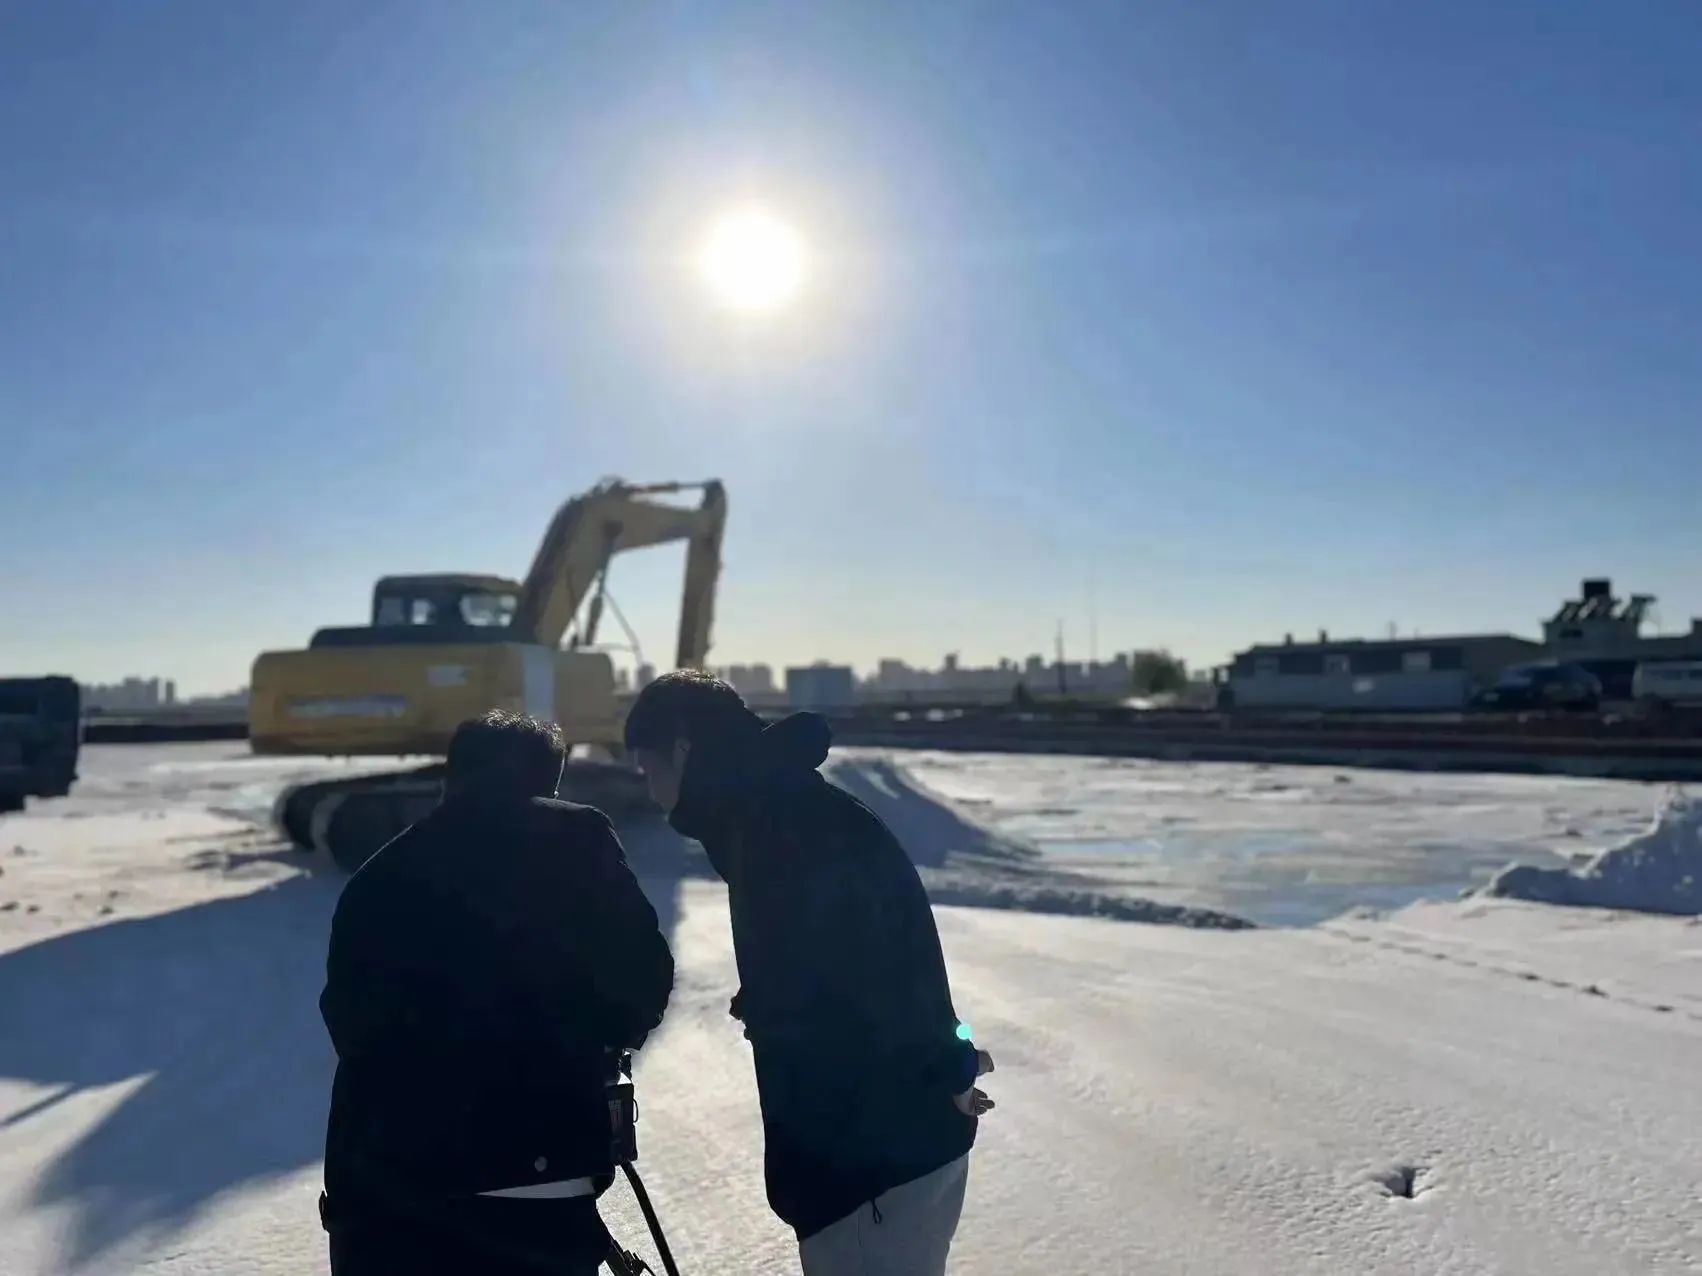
[589,530]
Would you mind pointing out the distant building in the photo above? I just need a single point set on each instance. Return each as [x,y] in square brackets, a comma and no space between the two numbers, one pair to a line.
[749,680]
[225,699]
[894,676]
[1605,635]
[143,695]
[821,687]
[1602,633]
[128,696]
[954,680]
[1394,674]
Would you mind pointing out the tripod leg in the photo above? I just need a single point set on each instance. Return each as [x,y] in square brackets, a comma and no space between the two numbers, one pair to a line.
[622,1263]
[650,1219]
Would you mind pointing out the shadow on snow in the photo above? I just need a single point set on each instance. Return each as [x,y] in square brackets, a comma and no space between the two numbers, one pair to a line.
[215,1007]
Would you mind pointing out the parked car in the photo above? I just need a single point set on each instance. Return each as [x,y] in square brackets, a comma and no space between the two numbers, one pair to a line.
[1548,684]
[1668,682]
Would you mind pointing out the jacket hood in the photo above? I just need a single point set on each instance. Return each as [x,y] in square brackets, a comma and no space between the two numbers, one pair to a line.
[797,742]
[719,779]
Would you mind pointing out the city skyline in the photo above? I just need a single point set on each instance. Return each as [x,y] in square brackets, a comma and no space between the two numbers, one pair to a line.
[1615,632]
[1215,322]
[756,678]
[1036,657]
[134,691]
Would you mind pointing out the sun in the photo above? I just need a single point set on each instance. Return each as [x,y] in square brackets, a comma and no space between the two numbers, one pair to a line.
[752,261]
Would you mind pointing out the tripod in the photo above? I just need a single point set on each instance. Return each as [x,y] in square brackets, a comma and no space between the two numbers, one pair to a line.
[623,1263]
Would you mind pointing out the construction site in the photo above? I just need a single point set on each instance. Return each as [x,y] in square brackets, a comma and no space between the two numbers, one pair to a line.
[1596,696]
[605,604]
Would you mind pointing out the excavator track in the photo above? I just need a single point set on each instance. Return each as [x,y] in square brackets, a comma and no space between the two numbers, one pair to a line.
[350,819]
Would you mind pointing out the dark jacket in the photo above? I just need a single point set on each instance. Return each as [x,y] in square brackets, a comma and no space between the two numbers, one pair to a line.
[480,964]
[843,987]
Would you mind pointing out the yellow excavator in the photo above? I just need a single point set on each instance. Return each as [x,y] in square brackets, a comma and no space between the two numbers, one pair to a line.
[444,648]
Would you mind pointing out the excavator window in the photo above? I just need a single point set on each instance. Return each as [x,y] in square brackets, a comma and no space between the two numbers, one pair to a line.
[487,609]
[406,611]
[476,608]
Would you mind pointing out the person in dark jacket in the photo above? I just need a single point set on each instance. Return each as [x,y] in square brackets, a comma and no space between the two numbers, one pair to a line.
[481,966]
[865,1075]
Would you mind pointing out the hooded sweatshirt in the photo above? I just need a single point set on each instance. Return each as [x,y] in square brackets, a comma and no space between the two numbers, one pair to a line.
[843,988]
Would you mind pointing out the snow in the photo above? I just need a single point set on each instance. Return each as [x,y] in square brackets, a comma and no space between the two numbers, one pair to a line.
[963,862]
[1652,962]
[1470,1086]
[1280,845]
[1658,871]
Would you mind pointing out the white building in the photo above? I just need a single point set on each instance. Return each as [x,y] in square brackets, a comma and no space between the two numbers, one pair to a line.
[128,696]
[748,680]
[823,687]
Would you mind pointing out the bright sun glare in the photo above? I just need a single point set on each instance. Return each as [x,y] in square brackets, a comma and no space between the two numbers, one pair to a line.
[753,261]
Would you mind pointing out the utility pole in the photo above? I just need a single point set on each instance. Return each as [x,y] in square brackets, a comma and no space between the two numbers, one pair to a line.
[1092,619]
[1063,678]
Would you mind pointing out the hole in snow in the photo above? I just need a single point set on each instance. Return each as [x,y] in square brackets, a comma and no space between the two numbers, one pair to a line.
[1404,1181]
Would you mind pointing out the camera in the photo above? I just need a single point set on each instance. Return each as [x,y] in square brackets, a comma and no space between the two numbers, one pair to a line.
[623,1106]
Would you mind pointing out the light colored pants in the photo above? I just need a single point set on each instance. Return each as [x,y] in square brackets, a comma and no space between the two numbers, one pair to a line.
[912,1237]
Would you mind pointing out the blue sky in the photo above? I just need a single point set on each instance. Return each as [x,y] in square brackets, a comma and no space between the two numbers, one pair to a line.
[1237,318]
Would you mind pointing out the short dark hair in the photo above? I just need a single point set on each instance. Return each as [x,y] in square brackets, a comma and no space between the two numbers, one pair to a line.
[502,749]
[688,704]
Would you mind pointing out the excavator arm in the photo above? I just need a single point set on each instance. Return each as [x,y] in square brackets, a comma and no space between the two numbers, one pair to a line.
[591,529]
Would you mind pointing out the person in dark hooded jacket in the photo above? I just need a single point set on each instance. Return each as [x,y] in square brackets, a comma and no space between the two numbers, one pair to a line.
[481,968]
[865,1075]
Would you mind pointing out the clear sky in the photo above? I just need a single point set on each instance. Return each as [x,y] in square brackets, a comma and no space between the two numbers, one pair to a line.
[1238,318]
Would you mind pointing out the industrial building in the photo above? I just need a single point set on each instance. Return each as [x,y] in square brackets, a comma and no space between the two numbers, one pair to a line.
[1596,630]
[1605,635]
[1397,674]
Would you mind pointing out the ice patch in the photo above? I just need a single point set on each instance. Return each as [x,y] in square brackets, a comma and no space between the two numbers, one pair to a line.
[1074,902]
[963,862]
[1656,871]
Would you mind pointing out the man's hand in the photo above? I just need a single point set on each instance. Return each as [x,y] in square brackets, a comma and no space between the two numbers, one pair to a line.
[736,1008]
[975,1101]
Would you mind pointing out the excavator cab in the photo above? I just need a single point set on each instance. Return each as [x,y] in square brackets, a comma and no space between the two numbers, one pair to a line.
[445,607]
[445,601]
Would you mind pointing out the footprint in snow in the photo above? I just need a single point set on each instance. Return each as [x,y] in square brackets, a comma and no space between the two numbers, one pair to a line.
[1403,1182]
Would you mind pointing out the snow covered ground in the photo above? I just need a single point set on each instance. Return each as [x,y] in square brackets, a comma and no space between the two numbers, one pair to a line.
[1657,871]
[1476,1086]
[1283,845]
